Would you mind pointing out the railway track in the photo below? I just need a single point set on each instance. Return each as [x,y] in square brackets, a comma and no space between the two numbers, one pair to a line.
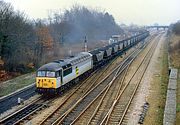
[79,105]
[22,114]
[10,100]
[74,96]
[117,113]
[98,109]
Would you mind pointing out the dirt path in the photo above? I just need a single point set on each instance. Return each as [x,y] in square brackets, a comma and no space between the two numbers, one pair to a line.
[149,90]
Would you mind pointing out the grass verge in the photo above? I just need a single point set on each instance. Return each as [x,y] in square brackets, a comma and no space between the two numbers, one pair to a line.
[163,86]
[16,83]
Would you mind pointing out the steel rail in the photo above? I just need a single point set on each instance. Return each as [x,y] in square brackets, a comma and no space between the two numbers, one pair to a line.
[60,119]
[57,108]
[29,114]
[107,117]
[87,92]
[9,117]
[73,92]
[136,88]
[105,91]
[119,86]
[97,108]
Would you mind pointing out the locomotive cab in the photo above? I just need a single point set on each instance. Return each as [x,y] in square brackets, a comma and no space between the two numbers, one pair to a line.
[49,77]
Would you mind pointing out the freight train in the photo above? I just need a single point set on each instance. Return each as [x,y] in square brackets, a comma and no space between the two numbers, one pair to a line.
[57,76]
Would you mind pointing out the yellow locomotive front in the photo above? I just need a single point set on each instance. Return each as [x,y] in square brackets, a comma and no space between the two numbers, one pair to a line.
[48,78]
[45,79]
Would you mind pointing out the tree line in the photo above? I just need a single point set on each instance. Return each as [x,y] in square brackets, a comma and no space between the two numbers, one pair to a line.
[26,44]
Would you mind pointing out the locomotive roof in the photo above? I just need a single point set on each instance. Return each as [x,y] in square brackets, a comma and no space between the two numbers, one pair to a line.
[65,63]
[79,57]
[52,66]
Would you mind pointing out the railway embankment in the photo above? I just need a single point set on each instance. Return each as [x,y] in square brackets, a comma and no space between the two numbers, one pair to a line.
[16,84]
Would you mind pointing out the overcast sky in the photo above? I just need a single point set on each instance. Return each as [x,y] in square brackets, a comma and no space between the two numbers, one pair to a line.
[141,12]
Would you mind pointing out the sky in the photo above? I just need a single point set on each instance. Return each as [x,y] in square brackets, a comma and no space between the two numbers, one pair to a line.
[140,12]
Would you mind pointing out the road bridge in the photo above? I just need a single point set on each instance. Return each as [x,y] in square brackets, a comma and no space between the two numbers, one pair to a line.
[157,27]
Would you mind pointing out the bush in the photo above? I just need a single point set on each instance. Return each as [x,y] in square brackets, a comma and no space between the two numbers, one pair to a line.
[176,28]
